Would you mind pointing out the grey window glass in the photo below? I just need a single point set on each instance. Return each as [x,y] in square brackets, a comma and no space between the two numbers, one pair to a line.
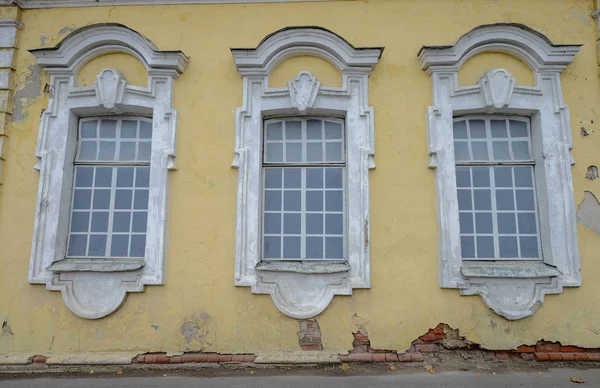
[496,195]
[304,189]
[109,212]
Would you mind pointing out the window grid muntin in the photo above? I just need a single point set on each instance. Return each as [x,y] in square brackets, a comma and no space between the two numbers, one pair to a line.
[491,166]
[304,166]
[135,165]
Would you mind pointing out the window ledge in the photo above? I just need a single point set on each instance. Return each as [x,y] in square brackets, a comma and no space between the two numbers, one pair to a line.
[508,269]
[87,265]
[308,268]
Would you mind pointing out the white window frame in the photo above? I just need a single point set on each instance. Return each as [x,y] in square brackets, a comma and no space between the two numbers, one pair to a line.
[95,288]
[303,290]
[514,289]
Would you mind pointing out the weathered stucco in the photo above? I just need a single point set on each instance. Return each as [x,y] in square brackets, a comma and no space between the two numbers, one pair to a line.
[199,308]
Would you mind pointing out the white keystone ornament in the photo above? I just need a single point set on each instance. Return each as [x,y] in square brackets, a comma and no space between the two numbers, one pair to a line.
[109,86]
[497,86]
[303,90]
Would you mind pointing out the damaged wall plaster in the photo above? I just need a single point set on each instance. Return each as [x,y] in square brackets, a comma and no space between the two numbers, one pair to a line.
[309,336]
[26,93]
[588,212]
[198,332]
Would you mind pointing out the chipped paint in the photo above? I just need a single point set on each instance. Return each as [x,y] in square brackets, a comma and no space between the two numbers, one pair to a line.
[27,92]
[588,212]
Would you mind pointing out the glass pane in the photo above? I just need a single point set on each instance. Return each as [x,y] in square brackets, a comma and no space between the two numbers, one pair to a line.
[467,246]
[460,130]
[292,178]
[77,245]
[272,200]
[87,150]
[314,178]
[485,247]
[291,223]
[334,200]
[82,199]
[121,222]
[314,152]
[127,151]
[464,200]
[506,224]
[100,222]
[97,245]
[103,177]
[80,221]
[463,177]
[292,200]
[125,177]
[101,199]
[128,130]
[272,247]
[334,224]
[523,176]
[521,150]
[273,178]
[527,223]
[119,245]
[508,247]
[484,223]
[334,248]
[272,223]
[518,129]
[505,200]
[480,151]
[314,201]
[140,222]
[503,176]
[333,130]
[477,128]
[108,129]
[88,129]
[333,152]
[481,176]
[461,150]
[333,178]
[483,199]
[293,152]
[291,247]
[466,222]
[123,199]
[138,246]
[144,151]
[314,247]
[525,200]
[293,130]
[141,199]
[84,176]
[498,128]
[107,150]
[274,152]
[529,247]
[145,130]
[501,150]
[274,131]
[142,177]
[314,223]
[313,129]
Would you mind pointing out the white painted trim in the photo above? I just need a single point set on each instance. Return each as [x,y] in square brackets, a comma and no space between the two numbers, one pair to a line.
[513,297]
[98,293]
[29,4]
[299,292]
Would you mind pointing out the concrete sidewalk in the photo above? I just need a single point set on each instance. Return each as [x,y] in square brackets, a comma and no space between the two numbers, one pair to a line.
[548,379]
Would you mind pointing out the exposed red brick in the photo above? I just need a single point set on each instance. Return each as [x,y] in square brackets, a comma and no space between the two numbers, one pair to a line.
[547,347]
[344,358]
[427,337]
[391,357]
[212,358]
[593,356]
[140,358]
[378,357]
[502,355]
[568,356]
[528,356]
[439,329]
[404,357]
[39,359]
[176,360]
[360,357]
[540,356]
[188,357]
[580,356]
[571,349]
[249,357]
[163,359]
[309,336]
[358,336]
[440,336]
[427,348]
[224,357]
[526,349]
[416,357]
[555,356]
[150,358]
[237,358]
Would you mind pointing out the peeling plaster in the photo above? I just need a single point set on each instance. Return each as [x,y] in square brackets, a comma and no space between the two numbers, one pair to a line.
[26,93]
[6,328]
[592,173]
[588,212]
[198,332]
[66,29]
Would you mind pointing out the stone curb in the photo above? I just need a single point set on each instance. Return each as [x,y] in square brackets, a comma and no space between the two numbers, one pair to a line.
[91,359]
[302,357]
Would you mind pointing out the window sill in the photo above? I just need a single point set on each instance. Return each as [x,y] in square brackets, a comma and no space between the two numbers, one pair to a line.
[307,268]
[88,265]
[508,269]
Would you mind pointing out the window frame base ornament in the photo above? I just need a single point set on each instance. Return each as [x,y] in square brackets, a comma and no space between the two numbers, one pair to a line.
[95,288]
[512,290]
[300,290]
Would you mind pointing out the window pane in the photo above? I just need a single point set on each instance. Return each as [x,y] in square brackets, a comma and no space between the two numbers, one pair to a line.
[314,247]
[291,247]
[464,200]
[333,178]
[529,247]
[334,200]
[477,129]
[84,176]
[333,130]
[333,152]
[518,129]
[145,130]
[292,178]
[463,177]
[292,200]
[480,151]
[100,222]
[525,200]
[291,223]
[140,222]
[508,247]
[293,152]
[77,245]
[274,152]
[501,150]
[467,246]
[80,222]
[466,223]
[481,176]
[272,247]
[293,130]
[505,200]
[138,246]
[119,245]
[141,199]
[314,130]
[498,128]
[144,151]
[272,200]
[142,177]
[273,179]
[334,248]
[87,150]
[125,177]
[314,201]
[523,176]
[334,224]
[314,223]
[274,131]
[101,199]
[108,129]
[107,150]
[483,199]
[88,129]
[484,223]
[82,199]
[121,222]
[97,245]
[461,151]
[127,151]
[506,223]
[123,199]
[527,223]
[503,176]
[485,247]
[128,129]
[314,152]
[103,177]
[314,178]
[460,130]
[521,150]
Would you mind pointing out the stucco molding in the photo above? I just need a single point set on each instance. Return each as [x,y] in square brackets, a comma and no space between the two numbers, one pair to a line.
[32,4]
[504,286]
[303,290]
[91,290]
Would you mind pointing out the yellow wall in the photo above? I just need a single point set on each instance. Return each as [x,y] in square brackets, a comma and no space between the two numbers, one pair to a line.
[134,71]
[405,299]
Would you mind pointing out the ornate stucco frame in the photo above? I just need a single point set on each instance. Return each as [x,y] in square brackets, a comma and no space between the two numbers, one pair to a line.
[303,290]
[512,289]
[94,289]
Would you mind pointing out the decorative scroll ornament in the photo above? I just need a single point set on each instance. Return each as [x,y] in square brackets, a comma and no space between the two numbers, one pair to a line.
[497,87]
[303,90]
[109,86]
